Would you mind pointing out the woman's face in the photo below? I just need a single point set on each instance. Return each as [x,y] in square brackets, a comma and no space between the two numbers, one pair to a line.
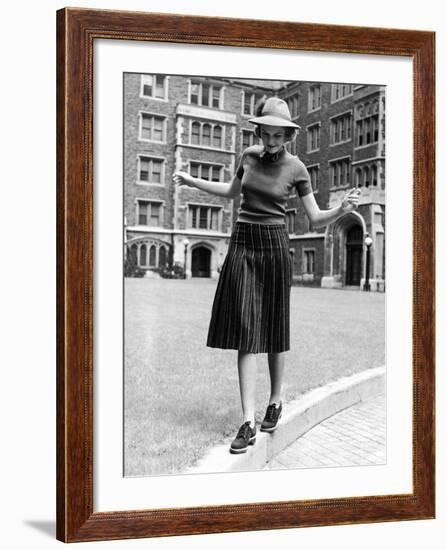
[273,137]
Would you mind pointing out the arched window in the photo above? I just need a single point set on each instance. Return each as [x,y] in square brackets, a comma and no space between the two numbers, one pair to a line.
[162,256]
[366,177]
[206,135]
[152,256]
[217,136]
[358,179]
[134,254]
[374,176]
[195,133]
[143,255]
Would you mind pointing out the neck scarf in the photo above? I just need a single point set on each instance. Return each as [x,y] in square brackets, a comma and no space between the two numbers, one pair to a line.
[272,157]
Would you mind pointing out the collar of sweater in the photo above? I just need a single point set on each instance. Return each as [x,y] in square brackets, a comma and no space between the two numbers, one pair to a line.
[272,157]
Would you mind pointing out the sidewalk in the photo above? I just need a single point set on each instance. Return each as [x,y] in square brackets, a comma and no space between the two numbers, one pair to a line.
[355,436]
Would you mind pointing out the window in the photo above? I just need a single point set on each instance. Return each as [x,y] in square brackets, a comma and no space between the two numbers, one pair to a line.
[290,220]
[313,172]
[217,137]
[367,126]
[308,266]
[374,176]
[162,256]
[293,105]
[375,126]
[208,95]
[152,256]
[207,135]
[154,86]
[204,217]
[150,170]
[366,173]
[134,254]
[152,127]
[339,91]
[248,139]
[149,213]
[250,100]
[358,177]
[210,172]
[308,225]
[313,137]
[196,130]
[314,98]
[147,254]
[339,173]
[143,255]
[341,129]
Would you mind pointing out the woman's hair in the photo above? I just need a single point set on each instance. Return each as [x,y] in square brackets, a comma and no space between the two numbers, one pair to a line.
[290,133]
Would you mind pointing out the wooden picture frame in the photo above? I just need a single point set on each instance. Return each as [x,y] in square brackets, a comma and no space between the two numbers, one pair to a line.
[76,31]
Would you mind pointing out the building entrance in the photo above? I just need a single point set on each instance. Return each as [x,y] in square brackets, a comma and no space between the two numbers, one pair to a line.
[354,246]
[201,262]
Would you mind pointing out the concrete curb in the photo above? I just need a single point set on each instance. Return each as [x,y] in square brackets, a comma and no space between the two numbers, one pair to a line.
[298,417]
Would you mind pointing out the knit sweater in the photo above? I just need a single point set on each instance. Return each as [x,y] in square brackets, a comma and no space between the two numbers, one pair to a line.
[267,181]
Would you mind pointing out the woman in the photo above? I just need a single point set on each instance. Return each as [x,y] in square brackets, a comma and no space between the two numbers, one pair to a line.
[250,312]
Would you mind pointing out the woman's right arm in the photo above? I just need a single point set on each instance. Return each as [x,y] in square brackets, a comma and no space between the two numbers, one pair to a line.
[222,189]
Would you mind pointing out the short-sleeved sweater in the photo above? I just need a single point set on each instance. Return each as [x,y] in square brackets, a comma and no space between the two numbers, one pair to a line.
[267,181]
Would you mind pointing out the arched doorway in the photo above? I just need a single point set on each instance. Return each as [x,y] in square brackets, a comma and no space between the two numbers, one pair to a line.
[354,245]
[201,262]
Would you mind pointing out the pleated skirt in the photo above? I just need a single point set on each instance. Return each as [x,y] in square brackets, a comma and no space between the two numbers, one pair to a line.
[251,308]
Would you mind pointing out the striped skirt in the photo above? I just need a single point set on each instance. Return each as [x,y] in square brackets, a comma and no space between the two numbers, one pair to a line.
[251,309]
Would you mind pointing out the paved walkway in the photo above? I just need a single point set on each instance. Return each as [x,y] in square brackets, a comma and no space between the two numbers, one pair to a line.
[353,437]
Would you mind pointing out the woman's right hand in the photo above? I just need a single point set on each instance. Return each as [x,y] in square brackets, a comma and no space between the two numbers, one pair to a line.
[183,178]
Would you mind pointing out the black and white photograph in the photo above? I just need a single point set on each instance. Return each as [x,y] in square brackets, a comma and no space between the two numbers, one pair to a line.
[254,274]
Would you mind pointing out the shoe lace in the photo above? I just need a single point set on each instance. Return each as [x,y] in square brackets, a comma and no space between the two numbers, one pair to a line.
[244,430]
[270,412]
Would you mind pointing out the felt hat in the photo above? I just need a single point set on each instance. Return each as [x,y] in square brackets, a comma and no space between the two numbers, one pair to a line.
[275,112]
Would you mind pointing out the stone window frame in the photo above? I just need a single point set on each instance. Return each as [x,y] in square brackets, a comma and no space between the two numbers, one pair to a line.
[163,161]
[255,97]
[141,115]
[372,168]
[294,212]
[251,135]
[166,87]
[336,162]
[360,120]
[308,130]
[304,262]
[294,99]
[148,245]
[221,168]
[200,83]
[308,225]
[311,167]
[209,206]
[333,120]
[341,97]
[213,125]
[150,201]
[311,89]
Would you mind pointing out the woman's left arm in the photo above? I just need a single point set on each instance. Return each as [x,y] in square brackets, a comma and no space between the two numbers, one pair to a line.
[321,218]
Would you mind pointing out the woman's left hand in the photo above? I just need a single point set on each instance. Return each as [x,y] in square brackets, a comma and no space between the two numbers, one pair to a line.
[351,200]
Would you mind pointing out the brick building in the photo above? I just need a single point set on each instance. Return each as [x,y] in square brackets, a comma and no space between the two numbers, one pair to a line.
[200,125]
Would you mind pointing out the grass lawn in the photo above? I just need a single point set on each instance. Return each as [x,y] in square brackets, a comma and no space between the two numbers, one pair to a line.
[182,397]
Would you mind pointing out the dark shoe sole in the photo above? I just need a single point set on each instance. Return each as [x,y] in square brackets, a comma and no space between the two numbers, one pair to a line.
[269,430]
[239,451]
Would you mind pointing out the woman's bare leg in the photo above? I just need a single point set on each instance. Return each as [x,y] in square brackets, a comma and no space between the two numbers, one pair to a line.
[276,364]
[247,373]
